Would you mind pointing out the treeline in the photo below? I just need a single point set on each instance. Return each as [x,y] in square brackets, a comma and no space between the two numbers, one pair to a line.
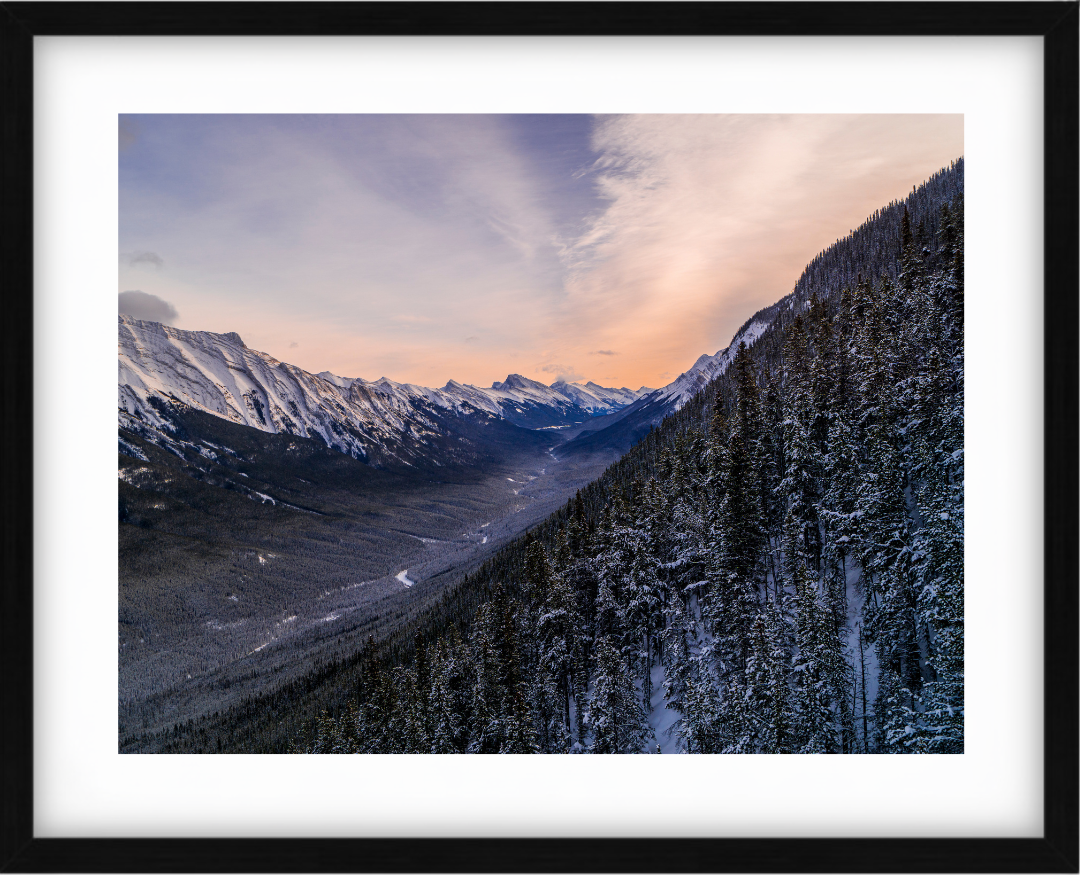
[779,565]
[875,248]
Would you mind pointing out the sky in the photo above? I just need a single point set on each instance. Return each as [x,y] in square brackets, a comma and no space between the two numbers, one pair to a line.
[425,248]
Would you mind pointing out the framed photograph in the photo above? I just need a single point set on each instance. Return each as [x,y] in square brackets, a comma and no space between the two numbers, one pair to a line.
[336,224]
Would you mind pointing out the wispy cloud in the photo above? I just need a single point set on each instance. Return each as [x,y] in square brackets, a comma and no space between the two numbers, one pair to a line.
[402,231]
[710,217]
[389,245]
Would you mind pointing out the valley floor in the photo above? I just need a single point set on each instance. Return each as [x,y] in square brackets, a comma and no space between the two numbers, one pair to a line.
[221,624]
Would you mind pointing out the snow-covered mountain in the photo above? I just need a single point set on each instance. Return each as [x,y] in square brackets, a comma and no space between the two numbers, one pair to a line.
[617,433]
[707,368]
[531,404]
[218,374]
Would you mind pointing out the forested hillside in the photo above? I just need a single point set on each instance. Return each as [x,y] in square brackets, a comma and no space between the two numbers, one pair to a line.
[776,568]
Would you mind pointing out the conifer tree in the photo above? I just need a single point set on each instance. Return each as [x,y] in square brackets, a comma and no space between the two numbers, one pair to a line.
[616,718]
[679,642]
[769,675]
[816,731]
[448,702]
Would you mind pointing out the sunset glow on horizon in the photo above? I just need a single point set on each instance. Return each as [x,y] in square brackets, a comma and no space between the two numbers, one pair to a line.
[430,248]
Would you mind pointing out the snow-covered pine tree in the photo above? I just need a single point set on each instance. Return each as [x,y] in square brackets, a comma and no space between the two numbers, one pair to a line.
[448,701]
[616,719]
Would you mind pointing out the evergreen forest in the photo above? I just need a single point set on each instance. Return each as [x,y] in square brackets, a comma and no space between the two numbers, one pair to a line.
[778,567]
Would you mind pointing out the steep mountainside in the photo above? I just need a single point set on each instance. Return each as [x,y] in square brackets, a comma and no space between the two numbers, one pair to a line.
[776,567]
[382,422]
[872,250]
[614,435]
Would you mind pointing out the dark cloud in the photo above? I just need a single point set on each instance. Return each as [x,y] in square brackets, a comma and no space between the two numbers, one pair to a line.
[149,258]
[142,305]
[605,352]
[564,373]
[127,133]
[472,339]
[293,345]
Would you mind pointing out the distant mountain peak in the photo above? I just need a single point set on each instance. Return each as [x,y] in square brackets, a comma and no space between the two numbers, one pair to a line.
[703,360]
[220,375]
[340,382]
[516,381]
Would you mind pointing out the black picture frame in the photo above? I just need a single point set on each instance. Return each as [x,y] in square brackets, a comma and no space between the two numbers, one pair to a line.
[1055,851]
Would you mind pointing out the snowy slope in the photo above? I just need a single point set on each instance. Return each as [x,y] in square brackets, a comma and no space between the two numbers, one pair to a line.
[707,368]
[620,431]
[220,375]
[531,404]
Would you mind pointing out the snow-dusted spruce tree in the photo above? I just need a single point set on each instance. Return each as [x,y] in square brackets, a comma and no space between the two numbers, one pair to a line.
[820,670]
[406,729]
[557,641]
[616,720]
[485,725]
[738,557]
[642,609]
[768,677]
[519,734]
[679,642]
[545,701]
[448,701]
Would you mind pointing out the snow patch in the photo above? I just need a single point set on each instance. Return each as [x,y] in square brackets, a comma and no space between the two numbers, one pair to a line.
[663,720]
[129,475]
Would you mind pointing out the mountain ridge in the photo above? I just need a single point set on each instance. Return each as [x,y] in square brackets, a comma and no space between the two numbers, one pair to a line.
[380,421]
[620,431]
[219,374]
